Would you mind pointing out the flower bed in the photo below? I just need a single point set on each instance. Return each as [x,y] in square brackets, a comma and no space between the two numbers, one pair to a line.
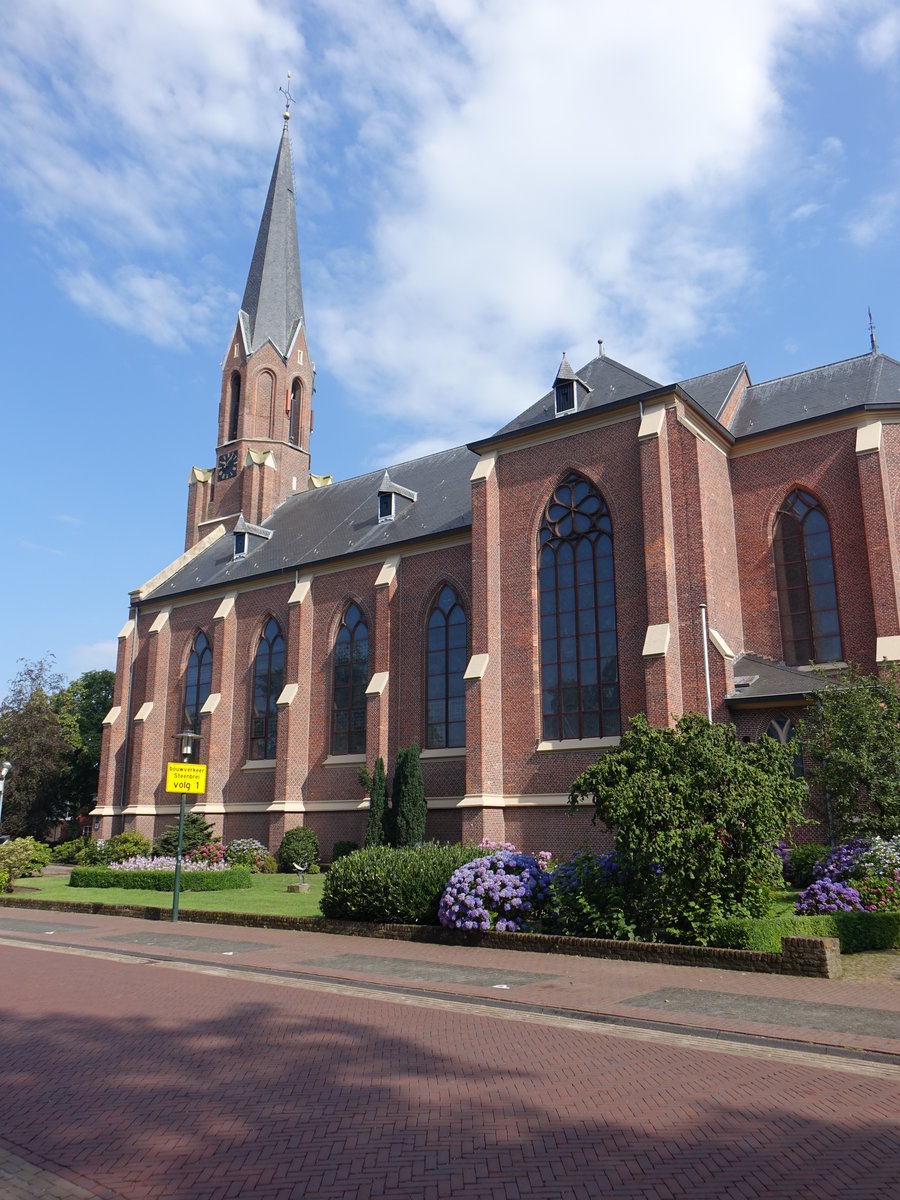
[859,876]
[196,878]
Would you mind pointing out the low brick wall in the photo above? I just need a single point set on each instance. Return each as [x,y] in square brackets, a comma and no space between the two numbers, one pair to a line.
[817,957]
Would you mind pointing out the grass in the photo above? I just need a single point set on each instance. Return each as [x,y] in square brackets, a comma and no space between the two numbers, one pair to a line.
[268,895]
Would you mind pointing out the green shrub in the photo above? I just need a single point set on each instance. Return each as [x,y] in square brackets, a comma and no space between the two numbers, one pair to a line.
[801,860]
[298,845]
[197,832]
[384,883]
[4,880]
[233,879]
[376,785]
[590,897]
[342,849]
[66,852]
[23,857]
[857,931]
[126,845]
[409,809]
[268,865]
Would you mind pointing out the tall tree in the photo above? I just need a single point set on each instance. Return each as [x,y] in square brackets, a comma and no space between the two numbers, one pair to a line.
[83,705]
[38,742]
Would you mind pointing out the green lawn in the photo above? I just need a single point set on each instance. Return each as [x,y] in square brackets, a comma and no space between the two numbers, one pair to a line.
[268,895]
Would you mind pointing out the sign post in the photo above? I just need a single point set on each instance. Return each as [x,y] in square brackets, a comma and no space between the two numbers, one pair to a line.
[185,778]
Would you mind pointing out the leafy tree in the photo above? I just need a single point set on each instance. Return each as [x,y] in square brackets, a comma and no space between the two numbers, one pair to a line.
[851,735]
[409,809]
[85,702]
[696,814]
[376,785]
[38,741]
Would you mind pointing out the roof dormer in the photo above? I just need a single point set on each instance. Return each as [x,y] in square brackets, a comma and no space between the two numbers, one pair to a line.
[248,537]
[389,495]
[569,390]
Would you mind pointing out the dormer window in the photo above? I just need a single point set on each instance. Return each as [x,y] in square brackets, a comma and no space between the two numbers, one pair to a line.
[385,506]
[388,493]
[565,397]
[240,545]
[247,537]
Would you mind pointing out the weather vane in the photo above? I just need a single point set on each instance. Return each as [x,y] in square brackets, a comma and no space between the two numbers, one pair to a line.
[288,98]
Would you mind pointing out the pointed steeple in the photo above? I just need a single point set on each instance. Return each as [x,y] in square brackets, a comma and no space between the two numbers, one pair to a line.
[272,306]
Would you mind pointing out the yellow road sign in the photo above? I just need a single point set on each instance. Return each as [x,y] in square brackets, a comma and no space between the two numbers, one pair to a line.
[186,777]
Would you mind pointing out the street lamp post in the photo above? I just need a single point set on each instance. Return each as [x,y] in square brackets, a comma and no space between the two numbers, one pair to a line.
[4,771]
[186,742]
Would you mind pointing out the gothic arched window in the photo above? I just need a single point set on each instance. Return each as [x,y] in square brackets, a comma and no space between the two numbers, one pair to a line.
[446,662]
[804,572]
[235,406]
[782,730]
[579,659]
[268,680]
[351,677]
[296,402]
[197,682]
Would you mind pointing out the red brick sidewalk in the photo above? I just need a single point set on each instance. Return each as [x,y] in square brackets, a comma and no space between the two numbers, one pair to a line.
[130,1078]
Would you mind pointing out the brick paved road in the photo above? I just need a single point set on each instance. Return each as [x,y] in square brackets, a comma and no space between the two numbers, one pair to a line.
[138,1080]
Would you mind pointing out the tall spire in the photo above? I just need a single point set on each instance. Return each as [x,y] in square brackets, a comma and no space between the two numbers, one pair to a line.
[272,306]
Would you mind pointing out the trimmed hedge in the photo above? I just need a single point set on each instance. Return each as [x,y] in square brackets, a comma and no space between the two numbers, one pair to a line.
[857,931]
[401,885]
[232,880]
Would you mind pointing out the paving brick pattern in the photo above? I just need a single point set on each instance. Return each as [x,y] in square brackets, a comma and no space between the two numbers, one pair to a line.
[156,1084]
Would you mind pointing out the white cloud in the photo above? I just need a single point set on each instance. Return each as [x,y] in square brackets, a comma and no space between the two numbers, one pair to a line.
[91,656]
[875,220]
[804,211]
[879,43]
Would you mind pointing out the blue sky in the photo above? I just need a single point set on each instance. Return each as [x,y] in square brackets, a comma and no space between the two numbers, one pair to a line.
[480,187]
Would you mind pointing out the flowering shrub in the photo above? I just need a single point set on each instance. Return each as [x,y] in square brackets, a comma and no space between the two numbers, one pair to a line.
[248,852]
[880,893]
[843,860]
[166,862]
[212,853]
[828,896]
[489,846]
[589,891]
[506,891]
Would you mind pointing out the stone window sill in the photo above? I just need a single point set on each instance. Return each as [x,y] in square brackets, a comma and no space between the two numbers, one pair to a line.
[443,752]
[259,764]
[344,760]
[579,744]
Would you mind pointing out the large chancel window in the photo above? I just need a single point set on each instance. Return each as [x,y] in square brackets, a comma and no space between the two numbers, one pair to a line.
[197,682]
[579,663]
[268,681]
[446,723]
[804,570]
[351,677]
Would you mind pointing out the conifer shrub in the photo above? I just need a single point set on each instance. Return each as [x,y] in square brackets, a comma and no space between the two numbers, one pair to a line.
[409,809]
[394,884]
[376,785]
[297,846]
[197,832]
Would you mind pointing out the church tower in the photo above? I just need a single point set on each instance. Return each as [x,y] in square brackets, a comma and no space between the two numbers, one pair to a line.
[265,410]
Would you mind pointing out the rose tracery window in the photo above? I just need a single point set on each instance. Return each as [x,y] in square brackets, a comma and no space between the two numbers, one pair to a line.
[579,655]
[804,572]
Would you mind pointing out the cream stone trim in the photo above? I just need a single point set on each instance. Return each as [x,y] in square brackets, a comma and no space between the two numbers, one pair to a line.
[176,565]
[259,764]
[335,806]
[771,439]
[144,711]
[656,642]
[225,608]
[301,590]
[161,620]
[105,810]
[547,800]
[199,475]
[443,752]
[652,421]
[377,683]
[288,692]
[484,468]
[468,801]
[113,715]
[705,435]
[318,481]
[868,437]
[592,743]
[210,704]
[127,629]
[829,666]
[887,648]
[721,645]
[153,810]
[388,572]
[344,760]
[478,664]
[260,458]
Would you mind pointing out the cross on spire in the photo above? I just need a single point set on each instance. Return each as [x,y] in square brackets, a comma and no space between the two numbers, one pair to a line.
[288,98]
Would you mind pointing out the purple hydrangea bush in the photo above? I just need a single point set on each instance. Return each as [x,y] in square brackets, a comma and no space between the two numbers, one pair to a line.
[843,861]
[828,896]
[506,891]
[859,875]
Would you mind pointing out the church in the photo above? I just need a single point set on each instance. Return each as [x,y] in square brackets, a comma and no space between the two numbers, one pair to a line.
[623,545]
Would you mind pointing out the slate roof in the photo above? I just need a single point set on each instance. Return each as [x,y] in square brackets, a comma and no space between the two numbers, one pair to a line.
[328,523]
[870,379]
[272,306]
[768,680]
[711,391]
[609,381]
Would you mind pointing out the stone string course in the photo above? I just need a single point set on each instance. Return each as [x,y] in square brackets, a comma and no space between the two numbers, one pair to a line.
[818,957]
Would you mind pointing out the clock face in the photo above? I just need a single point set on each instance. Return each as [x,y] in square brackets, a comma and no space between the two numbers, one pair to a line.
[227,465]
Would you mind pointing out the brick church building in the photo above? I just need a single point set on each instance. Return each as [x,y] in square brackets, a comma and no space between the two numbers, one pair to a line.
[506,605]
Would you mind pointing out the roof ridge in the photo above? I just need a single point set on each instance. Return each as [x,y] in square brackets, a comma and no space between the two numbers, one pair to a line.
[840,362]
